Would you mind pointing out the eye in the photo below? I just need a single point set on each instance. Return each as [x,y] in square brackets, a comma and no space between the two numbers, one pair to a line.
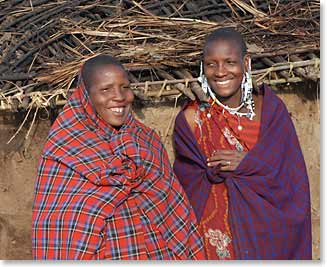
[210,64]
[231,62]
[125,88]
[106,90]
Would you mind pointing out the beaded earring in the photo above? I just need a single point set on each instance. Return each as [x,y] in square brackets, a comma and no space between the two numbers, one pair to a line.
[246,98]
[247,88]
[203,80]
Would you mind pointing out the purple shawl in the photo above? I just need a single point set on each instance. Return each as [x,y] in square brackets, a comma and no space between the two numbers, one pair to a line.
[269,197]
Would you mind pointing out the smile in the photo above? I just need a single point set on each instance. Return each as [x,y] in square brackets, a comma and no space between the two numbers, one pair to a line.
[222,82]
[117,110]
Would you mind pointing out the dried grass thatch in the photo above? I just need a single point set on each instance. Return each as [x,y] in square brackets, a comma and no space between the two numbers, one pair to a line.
[44,43]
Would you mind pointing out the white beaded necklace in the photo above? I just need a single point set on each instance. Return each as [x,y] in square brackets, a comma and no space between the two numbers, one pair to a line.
[246,100]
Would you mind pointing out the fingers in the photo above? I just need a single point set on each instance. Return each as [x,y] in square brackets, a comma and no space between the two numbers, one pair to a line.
[226,155]
[222,157]
[229,166]
[223,163]
[227,159]
[223,153]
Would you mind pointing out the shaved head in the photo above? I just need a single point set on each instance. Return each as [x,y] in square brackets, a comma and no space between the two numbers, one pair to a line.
[228,34]
[93,64]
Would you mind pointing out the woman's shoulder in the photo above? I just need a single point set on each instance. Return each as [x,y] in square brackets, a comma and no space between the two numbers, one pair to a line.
[269,97]
[144,131]
[188,111]
[258,102]
[189,107]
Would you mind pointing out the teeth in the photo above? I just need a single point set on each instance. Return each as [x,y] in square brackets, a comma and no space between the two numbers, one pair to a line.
[223,83]
[118,110]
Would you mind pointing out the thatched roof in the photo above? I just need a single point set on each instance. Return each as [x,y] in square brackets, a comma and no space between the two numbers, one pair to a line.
[43,43]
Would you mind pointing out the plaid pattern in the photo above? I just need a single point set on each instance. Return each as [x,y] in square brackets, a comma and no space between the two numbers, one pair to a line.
[269,197]
[107,194]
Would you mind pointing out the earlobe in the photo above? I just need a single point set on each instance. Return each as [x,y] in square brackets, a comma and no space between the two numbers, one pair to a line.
[247,63]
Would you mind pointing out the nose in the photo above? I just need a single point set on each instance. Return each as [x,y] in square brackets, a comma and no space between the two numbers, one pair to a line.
[220,70]
[118,94]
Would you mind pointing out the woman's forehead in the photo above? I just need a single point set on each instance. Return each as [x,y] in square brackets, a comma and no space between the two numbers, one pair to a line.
[107,74]
[222,46]
[109,67]
[114,70]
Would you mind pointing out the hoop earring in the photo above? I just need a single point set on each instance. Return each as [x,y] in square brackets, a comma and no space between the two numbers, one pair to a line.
[247,95]
[203,80]
[247,84]
[243,89]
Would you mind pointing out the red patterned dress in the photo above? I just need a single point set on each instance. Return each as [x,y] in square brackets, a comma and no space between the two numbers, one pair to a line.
[212,133]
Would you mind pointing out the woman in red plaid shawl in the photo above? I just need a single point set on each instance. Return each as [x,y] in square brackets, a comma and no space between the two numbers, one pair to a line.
[240,163]
[105,188]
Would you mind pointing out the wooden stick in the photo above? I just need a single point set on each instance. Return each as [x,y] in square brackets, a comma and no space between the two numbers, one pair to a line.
[287,66]
[17,76]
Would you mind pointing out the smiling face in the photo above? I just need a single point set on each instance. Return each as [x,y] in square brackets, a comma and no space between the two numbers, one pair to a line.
[224,66]
[110,94]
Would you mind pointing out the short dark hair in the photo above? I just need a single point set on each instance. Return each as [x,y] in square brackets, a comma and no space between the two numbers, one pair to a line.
[94,63]
[229,34]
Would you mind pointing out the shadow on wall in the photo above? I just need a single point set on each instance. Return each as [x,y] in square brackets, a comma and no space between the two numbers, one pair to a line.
[307,91]
[4,238]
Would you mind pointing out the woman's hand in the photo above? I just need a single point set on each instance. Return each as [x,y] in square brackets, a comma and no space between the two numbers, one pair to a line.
[227,159]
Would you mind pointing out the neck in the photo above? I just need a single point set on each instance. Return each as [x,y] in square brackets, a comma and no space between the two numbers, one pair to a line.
[232,101]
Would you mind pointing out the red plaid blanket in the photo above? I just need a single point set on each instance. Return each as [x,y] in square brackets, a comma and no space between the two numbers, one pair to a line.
[107,194]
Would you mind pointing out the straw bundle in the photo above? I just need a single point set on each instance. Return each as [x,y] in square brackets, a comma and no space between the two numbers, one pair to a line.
[44,43]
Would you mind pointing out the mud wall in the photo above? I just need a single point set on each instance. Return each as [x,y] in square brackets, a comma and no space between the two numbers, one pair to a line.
[18,163]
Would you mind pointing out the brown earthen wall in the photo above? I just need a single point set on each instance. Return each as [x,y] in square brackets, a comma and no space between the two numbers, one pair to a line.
[18,164]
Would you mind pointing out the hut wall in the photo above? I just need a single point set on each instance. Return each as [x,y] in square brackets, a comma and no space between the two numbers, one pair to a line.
[18,163]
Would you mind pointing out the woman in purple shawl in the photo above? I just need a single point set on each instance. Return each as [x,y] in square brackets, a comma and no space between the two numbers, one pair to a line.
[239,160]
